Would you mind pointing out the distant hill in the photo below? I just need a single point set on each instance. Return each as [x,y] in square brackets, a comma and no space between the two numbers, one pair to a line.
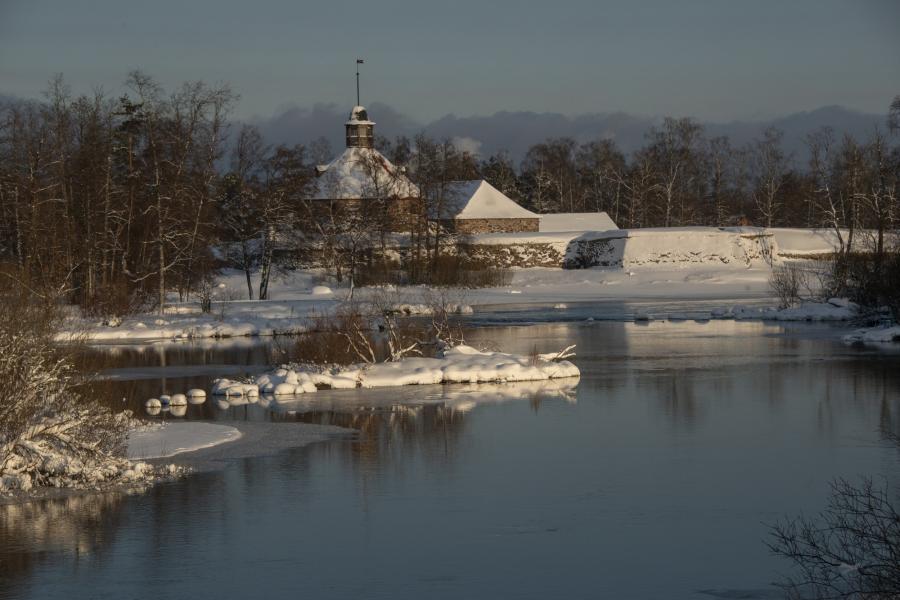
[516,131]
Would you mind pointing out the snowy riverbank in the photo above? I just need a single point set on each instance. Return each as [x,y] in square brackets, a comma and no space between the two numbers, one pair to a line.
[293,302]
[885,334]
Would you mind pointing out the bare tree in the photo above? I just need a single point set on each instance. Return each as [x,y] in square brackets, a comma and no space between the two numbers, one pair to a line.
[770,169]
[894,115]
[240,201]
[286,183]
[849,551]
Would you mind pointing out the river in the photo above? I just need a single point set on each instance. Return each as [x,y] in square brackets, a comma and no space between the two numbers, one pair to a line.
[657,476]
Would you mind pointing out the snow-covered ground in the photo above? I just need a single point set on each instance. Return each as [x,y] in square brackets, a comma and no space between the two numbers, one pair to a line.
[176,438]
[292,300]
[727,265]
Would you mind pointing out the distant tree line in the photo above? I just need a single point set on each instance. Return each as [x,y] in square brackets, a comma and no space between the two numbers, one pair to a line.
[115,202]
[680,177]
[108,199]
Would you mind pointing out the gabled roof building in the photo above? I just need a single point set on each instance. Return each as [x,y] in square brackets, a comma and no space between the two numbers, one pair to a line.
[478,207]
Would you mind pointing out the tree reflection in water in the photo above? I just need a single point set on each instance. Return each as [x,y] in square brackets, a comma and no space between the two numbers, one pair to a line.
[77,527]
[762,415]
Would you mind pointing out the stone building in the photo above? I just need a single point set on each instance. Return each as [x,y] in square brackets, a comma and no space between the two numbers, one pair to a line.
[472,207]
[362,181]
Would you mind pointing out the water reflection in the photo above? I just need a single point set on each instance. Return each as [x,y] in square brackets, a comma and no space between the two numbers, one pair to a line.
[684,439]
[74,529]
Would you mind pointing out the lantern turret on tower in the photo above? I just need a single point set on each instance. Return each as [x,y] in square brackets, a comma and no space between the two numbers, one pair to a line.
[360,130]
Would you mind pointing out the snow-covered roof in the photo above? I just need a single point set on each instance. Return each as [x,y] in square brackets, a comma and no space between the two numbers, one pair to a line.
[477,199]
[593,221]
[359,116]
[362,173]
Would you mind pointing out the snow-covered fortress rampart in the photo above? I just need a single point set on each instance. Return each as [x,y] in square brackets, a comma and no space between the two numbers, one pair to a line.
[626,248]
[730,247]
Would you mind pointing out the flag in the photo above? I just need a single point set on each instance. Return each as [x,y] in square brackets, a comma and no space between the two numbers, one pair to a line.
[359,61]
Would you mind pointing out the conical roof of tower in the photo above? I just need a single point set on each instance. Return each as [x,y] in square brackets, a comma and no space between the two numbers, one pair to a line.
[362,173]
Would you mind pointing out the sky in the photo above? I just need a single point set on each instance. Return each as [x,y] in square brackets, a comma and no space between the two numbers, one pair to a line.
[713,60]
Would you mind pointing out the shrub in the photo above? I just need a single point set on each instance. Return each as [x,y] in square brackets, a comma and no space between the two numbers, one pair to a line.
[445,271]
[48,434]
[379,330]
[868,279]
[788,282]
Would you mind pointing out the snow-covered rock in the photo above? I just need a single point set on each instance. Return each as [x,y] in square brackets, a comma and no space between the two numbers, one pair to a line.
[321,290]
[875,335]
[227,387]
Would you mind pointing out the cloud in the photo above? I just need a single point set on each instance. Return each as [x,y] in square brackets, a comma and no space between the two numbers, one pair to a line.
[467,144]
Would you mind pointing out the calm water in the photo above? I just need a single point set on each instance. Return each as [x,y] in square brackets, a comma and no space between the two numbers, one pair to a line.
[653,478]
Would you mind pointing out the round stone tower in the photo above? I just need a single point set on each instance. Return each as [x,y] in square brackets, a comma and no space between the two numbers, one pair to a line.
[360,130]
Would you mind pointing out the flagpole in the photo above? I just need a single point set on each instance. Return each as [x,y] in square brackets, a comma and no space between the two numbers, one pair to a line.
[357,82]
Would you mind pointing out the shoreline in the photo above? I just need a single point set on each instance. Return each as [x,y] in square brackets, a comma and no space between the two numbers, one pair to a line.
[256,440]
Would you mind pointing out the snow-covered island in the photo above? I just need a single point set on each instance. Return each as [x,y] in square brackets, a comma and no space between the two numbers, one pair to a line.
[460,364]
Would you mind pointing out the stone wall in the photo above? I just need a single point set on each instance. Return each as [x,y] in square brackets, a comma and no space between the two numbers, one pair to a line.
[515,255]
[474,226]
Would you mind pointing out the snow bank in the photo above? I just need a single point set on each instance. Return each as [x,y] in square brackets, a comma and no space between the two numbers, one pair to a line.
[836,309]
[176,438]
[188,328]
[461,364]
[875,335]
[806,242]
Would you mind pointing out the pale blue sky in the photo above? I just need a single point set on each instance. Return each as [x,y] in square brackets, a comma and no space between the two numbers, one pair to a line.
[714,60]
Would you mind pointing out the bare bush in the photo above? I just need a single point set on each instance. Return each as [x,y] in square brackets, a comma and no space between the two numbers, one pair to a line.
[870,279]
[446,331]
[443,271]
[48,435]
[359,333]
[788,282]
[381,330]
[851,550]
